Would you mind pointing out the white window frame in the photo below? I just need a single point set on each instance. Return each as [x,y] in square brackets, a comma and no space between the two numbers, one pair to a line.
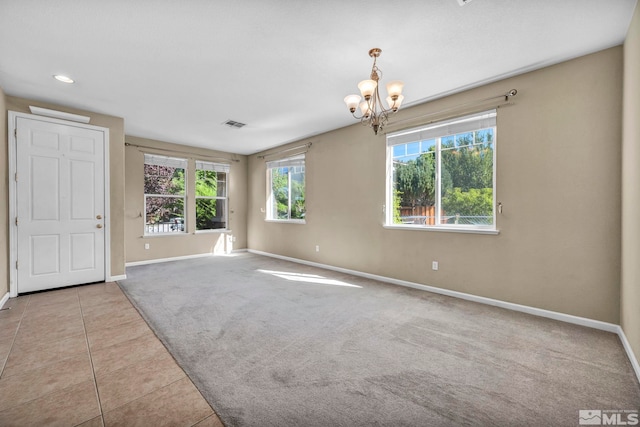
[216,167]
[290,162]
[437,131]
[159,160]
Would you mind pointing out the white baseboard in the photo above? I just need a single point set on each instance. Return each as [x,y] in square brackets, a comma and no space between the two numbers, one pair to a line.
[177,258]
[4,299]
[627,347]
[116,278]
[568,318]
[596,324]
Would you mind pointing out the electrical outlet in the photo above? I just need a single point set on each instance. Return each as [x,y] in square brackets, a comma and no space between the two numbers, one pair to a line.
[434,265]
[146,246]
[317,248]
[233,239]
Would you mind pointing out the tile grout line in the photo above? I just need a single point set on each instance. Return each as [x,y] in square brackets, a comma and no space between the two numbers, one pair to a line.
[214,413]
[207,417]
[93,371]
[184,374]
[153,391]
[44,366]
[15,334]
[123,367]
[133,362]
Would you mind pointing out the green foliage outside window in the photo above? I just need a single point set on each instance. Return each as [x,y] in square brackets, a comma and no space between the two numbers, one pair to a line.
[288,203]
[415,181]
[163,181]
[169,181]
[475,202]
[466,179]
[209,210]
[397,204]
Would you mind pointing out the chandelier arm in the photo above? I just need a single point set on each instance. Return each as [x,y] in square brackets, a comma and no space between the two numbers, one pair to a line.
[383,111]
[374,113]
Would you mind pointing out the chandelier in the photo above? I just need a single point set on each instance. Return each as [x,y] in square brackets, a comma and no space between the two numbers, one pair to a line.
[373,113]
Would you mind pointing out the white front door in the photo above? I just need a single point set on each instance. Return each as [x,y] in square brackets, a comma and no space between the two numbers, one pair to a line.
[60,203]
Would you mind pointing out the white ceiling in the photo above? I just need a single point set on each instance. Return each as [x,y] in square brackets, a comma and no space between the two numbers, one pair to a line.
[176,70]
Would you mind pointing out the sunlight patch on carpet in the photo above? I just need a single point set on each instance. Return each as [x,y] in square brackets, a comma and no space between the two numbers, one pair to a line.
[308,278]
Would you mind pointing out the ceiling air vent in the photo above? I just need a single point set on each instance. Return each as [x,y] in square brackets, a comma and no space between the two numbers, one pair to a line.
[234,124]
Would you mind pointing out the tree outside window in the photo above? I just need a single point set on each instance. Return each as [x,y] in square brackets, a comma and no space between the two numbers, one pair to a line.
[211,195]
[164,194]
[442,175]
[286,198]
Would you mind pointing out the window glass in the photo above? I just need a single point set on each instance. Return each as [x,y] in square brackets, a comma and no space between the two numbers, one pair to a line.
[165,193]
[286,198]
[413,148]
[451,183]
[211,195]
[399,150]
[414,189]
[297,192]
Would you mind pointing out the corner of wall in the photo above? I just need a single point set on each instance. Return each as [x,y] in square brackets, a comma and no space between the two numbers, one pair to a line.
[630,272]
[4,196]
[141,248]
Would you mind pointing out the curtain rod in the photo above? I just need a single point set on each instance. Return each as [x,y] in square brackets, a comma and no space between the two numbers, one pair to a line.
[307,145]
[128,144]
[506,97]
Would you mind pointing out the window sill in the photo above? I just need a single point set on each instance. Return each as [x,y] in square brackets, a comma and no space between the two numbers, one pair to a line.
[444,229]
[287,221]
[213,230]
[183,233]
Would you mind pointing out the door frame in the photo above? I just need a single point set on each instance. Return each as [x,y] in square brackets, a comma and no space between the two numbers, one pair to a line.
[13,228]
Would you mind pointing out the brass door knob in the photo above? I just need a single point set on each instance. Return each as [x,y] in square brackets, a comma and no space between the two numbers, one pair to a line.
[99,226]
[99,217]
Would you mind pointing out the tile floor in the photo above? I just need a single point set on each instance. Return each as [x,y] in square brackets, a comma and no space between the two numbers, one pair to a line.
[83,356]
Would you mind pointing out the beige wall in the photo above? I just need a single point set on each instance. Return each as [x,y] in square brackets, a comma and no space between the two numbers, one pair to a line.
[190,243]
[4,196]
[116,170]
[630,292]
[558,162]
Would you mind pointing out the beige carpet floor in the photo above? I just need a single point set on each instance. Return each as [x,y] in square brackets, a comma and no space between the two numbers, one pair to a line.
[273,343]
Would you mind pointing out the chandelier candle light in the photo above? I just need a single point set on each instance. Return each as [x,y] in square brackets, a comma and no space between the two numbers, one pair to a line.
[373,112]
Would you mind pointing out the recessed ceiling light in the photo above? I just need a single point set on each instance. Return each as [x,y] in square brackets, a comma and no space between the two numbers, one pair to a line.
[63,79]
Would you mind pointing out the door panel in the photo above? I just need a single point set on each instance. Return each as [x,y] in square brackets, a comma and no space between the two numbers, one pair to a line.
[44,189]
[60,205]
[82,251]
[45,254]
[82,183]
[44,139]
